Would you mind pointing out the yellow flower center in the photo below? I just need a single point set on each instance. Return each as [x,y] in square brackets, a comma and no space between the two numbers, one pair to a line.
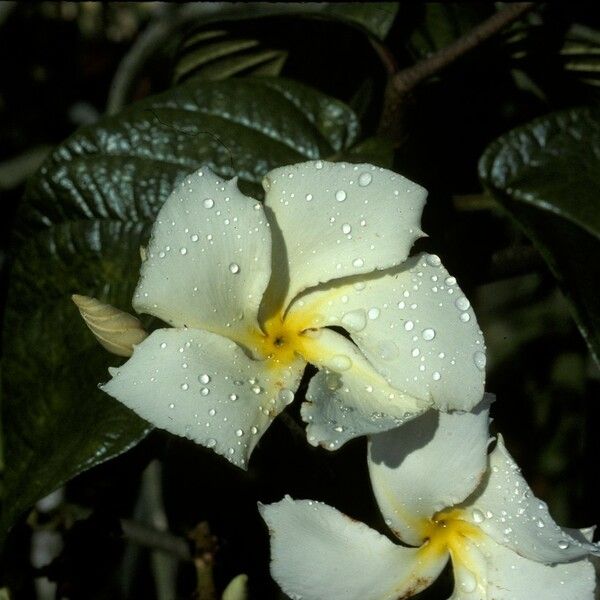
[447,531]
[282,340]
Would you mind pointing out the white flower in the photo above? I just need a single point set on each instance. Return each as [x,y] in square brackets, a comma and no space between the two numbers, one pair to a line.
[439,491]
[250,290]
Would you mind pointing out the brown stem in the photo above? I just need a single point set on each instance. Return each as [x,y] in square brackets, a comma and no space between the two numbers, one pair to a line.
[402,83]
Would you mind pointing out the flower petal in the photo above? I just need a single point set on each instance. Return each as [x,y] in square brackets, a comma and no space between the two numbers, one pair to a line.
[429,464]
[339,219]
[347,398]
[317,552]
[202,386]
[506,509]
[208,261]
[414,325]
[512,577]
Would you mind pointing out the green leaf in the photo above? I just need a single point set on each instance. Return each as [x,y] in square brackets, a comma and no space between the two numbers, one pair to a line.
[546,174]
[207,59]
[376,17]
[443,22]
[57,423]
[85,215]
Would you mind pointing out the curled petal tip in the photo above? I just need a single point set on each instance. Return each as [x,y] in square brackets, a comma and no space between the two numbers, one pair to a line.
[117,331]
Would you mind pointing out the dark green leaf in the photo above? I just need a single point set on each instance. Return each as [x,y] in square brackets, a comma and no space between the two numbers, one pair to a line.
[375,17]
[547,176]
[85,215]
[443,22]
[207,59]
[57,423]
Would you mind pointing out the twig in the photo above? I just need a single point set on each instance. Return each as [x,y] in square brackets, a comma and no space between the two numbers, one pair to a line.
[205,546]
[401,85]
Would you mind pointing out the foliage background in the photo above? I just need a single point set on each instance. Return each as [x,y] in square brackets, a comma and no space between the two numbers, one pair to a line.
[519,228]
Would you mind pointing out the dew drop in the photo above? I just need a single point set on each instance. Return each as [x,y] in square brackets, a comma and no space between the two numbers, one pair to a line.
[253,430]
[468,583]
[205,391]
[256,389]
[436,376]
[211,443]
[563,544]
[208,203]
[428,334]
[462,303]
[195,237]
[434,260]
[415,352]
[183,251]
[373,313]
[239,432]
[364,179]
[163,345]
[355,320]
[479,360]
[309,197]
[409,325]
[346,228]
[233,397]
[212,412]
[358,262]
[286,396]
[184,386]
[477,515]
[465,317]
[340,195]
[171,406]
[234,268]
[341,362]
[205,378]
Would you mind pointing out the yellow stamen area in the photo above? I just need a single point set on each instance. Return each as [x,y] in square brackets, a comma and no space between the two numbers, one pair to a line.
[447,531]
[282,340]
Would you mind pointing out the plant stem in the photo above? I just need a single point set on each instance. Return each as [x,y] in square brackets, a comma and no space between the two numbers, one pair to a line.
[401,84]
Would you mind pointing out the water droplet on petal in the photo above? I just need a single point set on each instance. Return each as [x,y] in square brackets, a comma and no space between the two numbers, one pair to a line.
[233,397]
[355,320]
[346,228]
[309,197]
[364,179]
[477,515]
[239,432]
[462,303]
[409,325]
[184,386]
[358,262]
[163,345]
[479,360]
[204,378]
[183,251]
[563,544]
[468,583]
[205,391]
[340,195]
[428,334]
[234,268]
[434,260]
[341,362]
[208,203]
[373,313]
[286,396]
[211,443]
[465,317]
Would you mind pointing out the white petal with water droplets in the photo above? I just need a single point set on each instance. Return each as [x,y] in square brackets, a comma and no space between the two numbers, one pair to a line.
[512,577]
[409,326]
[517,519]
[427,465]
[359,218]
[347,398]
[203,386]
[208,261]
[319,553]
